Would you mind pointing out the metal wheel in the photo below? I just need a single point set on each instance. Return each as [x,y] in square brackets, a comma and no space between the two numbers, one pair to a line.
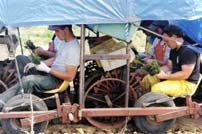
[3,86]
[148,124]
[107,93]
[8,77]
[13,125]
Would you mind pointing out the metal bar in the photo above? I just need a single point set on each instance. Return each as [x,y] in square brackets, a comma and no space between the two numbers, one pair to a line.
[172,115]
[19,37]
[24,114]
[39,118]
[82,73]
[157,34]
[100,112]
[106,57]
[127,75]
[59,108]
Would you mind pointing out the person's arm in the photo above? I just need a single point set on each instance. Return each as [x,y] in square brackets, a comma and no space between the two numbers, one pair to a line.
[68,76]
[180,75]
[49,61]
[167,67]
[40,51]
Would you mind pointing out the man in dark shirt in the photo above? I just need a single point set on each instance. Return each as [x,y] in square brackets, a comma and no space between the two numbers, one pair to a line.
[182,71]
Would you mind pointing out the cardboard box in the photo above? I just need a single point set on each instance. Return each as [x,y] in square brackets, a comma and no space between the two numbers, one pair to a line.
[111,47]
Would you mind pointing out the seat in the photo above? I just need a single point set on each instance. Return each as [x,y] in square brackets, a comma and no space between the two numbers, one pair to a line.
[199,80]
[184,96]
[61,88]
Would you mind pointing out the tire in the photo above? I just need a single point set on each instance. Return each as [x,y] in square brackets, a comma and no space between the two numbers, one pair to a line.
[12,126]
[145,123]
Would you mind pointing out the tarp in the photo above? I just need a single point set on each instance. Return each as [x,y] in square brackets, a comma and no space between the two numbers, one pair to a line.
[119,31]
[192,28]
[45,12]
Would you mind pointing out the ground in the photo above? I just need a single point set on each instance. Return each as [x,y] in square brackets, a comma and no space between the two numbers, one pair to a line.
[184,125]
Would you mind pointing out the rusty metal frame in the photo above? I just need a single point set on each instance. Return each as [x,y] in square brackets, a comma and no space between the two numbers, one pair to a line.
[78,111]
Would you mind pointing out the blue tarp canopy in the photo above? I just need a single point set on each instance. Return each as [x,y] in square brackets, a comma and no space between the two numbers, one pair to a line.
[46,12]
[192,28]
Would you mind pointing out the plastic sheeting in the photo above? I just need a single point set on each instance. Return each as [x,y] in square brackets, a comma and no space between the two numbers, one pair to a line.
[192,28]
[45,12]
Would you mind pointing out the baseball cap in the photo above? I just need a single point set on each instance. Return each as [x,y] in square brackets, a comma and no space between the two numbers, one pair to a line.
[158,24]
[54,27]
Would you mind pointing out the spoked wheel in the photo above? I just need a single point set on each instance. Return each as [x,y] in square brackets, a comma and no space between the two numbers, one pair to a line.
[148,124]
[3,86]
[13,126]
[107,93]
[9,77]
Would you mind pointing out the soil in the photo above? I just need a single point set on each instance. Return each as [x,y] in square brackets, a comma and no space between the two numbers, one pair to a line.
[184,125]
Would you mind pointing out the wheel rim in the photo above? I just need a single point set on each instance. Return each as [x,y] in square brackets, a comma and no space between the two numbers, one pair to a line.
[106,93]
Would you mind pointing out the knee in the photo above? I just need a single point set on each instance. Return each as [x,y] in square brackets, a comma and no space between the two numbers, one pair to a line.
[28,79]
[156,88]
[20,57]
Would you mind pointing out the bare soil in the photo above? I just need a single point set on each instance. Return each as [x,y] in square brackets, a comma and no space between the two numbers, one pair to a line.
[184,125]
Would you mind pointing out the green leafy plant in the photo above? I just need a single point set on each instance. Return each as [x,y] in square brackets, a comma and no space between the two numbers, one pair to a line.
[152,68]
[31,47]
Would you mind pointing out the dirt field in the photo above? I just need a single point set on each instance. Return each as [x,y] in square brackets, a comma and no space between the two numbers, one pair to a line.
[183,125]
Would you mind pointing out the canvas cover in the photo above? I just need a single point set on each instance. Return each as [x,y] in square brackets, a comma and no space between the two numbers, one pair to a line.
[46,12]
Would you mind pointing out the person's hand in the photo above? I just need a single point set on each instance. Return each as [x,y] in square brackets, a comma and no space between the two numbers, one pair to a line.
[43,67]
[39,51]
[51,47]
[161,75]
[28,66]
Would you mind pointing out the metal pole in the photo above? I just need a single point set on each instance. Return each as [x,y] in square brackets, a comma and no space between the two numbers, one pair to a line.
[127,65]
[127,75]
[19,37]
[82,73]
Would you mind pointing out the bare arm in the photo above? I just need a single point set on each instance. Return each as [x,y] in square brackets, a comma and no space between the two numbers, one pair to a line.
[40,51]
[167,67]
[49,61]
[68,76]
[180,75]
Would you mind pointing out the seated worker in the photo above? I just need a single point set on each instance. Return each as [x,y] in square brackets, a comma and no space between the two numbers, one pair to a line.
[48,56]
[53,48]
[183,65]
[64,66]
[158,50]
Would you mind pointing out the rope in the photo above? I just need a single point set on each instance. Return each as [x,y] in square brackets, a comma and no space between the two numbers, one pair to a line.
[32,115]
[126,31]
[124,129]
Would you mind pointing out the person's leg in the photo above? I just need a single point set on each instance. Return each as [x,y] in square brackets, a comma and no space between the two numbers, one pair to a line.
[38,82]
[22,61]
[174,88]
[29,83]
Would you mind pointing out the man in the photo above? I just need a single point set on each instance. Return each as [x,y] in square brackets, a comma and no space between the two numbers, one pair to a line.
[64,67]
[183,65]
[48,56]
[158,50]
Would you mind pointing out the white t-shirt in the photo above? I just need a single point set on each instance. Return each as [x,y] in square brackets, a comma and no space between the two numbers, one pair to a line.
[68,53]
